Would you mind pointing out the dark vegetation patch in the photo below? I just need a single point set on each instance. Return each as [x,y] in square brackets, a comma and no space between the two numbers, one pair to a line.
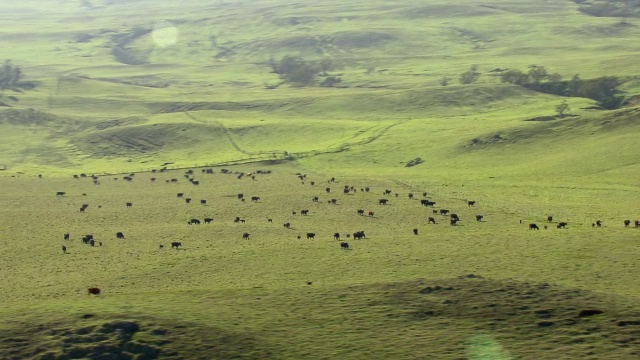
[139,338]
[610,8]
[361,39]
[26,117]
[446,11]
[123,52]
[517,312]
[142,80]
[180,106]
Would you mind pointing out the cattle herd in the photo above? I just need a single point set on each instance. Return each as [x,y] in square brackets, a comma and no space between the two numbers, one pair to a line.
[452,218]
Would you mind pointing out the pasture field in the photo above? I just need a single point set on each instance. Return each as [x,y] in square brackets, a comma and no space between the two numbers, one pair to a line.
[127,86]
[449,292]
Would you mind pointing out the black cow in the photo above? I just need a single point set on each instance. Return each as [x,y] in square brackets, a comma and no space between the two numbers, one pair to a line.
[336,236]
[549,218]
[82,209]
[366,189]
[432,220]
[176,244]
[208,220]
[444,211]
[92,242]
[195,182]
[64,249]
[345,191]
[255,198]
[636,223]
[387,192]
[328,190]
[479,217]
[383,201]
[598,223]
[129,204]
[194,222]
[270,220]
[562,225]
[410,196]
[311,235]
[424,194]
[471,203]
[120,235]
[359,235]
[60,193]
[627,223]
[435,212]
[533,227]
[333,201]
[315,199]
[187,200]
[287,225]
[161,246]
[245,236]
[66,236]
[240,196]
[93,291]
[180,195]
[360,212]
[455,216]
[203,202]
[454,221]
[344,245]
[415,231]
[304,212]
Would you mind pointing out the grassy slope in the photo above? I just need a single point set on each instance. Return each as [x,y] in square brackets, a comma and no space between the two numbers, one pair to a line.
[110,117]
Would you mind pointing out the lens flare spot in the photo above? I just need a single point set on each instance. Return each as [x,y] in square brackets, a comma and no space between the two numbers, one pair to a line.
[164,34]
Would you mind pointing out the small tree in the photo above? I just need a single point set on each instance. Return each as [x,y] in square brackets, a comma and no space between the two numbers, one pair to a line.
[562,108]
[471,76]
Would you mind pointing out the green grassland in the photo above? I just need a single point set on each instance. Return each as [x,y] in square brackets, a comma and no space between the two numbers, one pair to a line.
[207,98]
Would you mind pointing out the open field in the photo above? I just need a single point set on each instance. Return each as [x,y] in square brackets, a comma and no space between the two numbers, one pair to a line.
[127,86]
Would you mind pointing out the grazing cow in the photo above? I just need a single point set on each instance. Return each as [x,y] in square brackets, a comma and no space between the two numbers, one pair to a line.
[387,192]
[397,194]
[270,220]
[549,218]
[194,222]
[636,223]
[174,180]
[313,183]
[129,204]
[360,212]
[311,235]
[195,182]
[208,220]
[415,231]
[627,223]
[562,225]
[203,202]
[410,196]
[153,179]
[471,203]
[60,193]
[371,213]
[287,225]
[424,194]
[444,211]
[455,216]
[359,235]
[255,198]
[82,209]
[383,201]
[99,243]
[366,189]
[454,221]
[315,199]
[533,227]
[176,244]
[345,191]
[304,212]
[333,179]
[598,223]
[92,242]
[187,200]
[333,201]
[328,190]
[479,217]
[161,246]
[64,249]
[344,245]
[245,236]
[66,236]
[93,291]
[120,235]
[336,236]
[435,212]
[240,196]
[432,220]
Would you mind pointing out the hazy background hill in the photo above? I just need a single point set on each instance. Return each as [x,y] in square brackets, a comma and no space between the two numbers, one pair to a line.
[129,85]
